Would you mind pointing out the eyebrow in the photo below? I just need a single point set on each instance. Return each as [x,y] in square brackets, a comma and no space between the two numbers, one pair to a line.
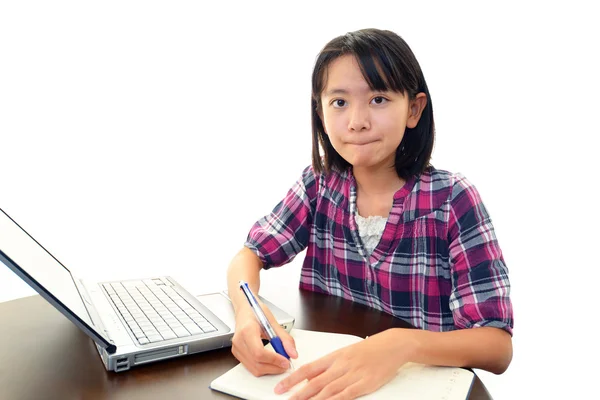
[333,92]
[337,91]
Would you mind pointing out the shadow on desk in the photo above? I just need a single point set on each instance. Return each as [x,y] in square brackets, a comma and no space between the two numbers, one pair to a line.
[43,355]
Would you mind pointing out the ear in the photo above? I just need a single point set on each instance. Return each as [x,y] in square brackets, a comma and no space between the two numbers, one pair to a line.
[415,109]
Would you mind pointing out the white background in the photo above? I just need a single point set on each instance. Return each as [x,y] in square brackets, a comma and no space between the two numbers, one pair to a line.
[144,138]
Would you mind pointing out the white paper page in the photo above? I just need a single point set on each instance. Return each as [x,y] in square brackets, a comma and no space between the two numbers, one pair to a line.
[417,381]
[414,381]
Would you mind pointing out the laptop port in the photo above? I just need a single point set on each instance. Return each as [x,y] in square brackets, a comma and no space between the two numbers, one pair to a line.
[122,364]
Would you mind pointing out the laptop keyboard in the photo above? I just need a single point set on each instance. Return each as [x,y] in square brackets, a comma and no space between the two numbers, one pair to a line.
[155,312]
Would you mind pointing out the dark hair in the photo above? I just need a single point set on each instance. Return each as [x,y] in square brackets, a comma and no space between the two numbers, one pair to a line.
[387,63]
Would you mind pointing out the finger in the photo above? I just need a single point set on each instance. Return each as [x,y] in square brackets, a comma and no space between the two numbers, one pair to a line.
[319,383]
[266,356]
[289,344]
[288,341]
[256,351]
[307,371]
[335,387]
[258,368]
[248,348]
[352,392]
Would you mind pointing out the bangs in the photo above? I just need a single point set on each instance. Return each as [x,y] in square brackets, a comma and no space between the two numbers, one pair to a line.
[385,61]
[378,69]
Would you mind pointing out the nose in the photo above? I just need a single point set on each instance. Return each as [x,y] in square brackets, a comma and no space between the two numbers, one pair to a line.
[359,119]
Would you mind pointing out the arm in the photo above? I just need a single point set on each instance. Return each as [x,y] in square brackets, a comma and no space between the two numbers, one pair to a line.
[245,266]
[484,348]
[274,240]
[480,298]
[480,294]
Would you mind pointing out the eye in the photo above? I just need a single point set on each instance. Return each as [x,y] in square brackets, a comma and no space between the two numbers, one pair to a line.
[339,103]
[379,100]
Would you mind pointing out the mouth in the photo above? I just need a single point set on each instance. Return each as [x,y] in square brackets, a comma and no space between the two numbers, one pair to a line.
[361,143]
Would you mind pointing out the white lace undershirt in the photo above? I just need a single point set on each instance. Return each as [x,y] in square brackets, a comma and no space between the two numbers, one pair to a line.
[370,230]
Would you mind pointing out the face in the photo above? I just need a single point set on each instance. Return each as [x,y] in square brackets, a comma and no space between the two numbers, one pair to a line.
[364,126]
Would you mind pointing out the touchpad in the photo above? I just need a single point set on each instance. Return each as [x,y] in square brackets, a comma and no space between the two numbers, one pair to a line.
[221,306]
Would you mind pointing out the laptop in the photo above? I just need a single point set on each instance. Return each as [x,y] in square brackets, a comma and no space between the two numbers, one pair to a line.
[132,322]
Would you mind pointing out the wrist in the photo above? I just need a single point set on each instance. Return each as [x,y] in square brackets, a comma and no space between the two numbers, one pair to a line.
[408,343]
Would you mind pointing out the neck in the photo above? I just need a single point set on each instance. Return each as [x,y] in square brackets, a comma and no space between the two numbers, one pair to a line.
[377,181]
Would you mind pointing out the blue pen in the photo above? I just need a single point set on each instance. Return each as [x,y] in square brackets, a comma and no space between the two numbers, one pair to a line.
[262,318]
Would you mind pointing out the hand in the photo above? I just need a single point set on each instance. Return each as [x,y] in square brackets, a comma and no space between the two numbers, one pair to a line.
[352,371]
[248,348]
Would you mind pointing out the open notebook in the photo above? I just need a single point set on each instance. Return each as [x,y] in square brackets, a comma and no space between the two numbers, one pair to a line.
[414,381]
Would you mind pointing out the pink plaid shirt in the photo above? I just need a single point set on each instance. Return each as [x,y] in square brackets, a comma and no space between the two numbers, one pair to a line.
[437,266]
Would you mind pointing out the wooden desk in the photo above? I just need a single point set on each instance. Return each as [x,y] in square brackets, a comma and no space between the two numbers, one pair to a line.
[44,356]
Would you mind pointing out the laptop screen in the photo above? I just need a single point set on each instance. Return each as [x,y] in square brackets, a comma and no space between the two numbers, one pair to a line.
[36,266]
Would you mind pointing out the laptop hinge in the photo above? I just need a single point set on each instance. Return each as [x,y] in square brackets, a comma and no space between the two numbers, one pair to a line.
[94,316]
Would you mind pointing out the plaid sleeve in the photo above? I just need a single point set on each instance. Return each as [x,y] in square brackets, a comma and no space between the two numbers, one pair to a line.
[480,286]
[278,237]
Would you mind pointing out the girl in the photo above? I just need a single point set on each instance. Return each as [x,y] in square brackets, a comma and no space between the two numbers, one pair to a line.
[382,227]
